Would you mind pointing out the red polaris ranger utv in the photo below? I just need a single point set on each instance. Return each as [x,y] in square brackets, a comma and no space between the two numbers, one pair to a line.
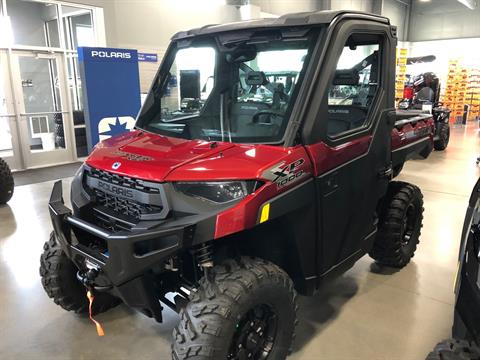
[243,184]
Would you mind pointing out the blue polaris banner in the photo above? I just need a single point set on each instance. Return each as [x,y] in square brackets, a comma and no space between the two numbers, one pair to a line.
[111,91]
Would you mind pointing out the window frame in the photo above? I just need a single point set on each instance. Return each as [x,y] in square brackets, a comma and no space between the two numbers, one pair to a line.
[290,132]
[366,128]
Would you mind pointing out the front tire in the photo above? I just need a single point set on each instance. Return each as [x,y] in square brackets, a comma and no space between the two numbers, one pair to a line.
[455,350]
[59,280]
[245,310]
[399,226]
[443,137]
[6,183]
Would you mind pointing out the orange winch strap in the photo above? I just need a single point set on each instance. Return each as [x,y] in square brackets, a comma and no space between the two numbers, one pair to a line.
[90,297]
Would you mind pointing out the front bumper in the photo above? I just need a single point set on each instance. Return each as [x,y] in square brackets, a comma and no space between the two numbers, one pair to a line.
[124,269]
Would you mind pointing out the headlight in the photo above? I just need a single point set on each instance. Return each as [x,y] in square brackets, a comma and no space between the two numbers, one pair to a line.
[218,192]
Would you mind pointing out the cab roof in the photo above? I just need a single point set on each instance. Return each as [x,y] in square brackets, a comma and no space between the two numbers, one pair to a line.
[295,19]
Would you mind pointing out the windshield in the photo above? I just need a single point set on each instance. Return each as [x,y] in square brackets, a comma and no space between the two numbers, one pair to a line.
[237,88]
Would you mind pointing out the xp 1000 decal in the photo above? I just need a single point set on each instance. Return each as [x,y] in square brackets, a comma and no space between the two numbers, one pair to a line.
[285,173]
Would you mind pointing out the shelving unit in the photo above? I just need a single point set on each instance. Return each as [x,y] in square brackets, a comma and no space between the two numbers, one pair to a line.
[401,71]
[463,88]
[472,96]
[455,90]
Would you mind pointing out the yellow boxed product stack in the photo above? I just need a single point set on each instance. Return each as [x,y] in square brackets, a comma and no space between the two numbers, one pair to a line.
[401,72]
[473,94]
[455,91]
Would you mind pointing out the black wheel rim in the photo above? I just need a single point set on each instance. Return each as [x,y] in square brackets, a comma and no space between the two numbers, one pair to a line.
[254,334]
[409,225]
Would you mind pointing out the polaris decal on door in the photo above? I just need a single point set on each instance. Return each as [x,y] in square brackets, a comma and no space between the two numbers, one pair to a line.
[285,173]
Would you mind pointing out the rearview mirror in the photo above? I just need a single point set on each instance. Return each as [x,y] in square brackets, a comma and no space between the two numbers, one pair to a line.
[242,54]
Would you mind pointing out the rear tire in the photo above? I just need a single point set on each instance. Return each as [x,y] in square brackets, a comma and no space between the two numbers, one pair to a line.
[7,184]
[455,350]
[59,280]
[444,137]
[244,302]
[399,226]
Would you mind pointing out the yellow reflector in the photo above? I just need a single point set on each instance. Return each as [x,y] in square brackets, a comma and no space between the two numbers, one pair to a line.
[265,213]
[457,274]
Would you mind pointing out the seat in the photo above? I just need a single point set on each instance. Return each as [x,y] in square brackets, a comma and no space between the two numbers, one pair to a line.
[426,94]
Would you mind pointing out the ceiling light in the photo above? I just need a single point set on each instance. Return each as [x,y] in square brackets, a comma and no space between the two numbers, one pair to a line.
[471,4]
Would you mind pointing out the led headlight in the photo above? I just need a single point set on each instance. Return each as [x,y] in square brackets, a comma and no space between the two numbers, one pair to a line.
[217,192]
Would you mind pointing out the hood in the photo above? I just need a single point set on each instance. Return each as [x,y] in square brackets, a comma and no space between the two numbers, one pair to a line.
[155,157]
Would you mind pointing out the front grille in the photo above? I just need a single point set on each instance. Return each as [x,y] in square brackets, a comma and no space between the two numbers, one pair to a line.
[124,181]
[114,211]
[105,221]
[124,206]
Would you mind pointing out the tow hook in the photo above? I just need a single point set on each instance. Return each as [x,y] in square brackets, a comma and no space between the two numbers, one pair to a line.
[87,278]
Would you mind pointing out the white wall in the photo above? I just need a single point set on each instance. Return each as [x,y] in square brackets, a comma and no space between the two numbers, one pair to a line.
[152,23]
[148,25]
[360,5]
[280,7]
[443,19]
[398,13]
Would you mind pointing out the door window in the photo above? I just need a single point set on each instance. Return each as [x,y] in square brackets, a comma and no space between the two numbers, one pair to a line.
[42,103]
[78,26]
[34,23]
[354,85]
[6,146]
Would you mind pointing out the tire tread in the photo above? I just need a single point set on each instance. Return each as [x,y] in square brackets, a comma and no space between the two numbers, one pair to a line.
[200,331]
[387,246]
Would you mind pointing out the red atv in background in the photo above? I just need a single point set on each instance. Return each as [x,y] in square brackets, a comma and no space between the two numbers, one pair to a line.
[424,89]
[265,170]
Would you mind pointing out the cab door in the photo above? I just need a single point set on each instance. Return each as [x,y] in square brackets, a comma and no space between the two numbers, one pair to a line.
[352,155]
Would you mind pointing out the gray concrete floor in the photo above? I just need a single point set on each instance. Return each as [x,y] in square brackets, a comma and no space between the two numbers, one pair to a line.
[365,314]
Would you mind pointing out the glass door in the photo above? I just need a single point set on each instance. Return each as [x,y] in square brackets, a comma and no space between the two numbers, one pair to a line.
[9,149]
[44,124]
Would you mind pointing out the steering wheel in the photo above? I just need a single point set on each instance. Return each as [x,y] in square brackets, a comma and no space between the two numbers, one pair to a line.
[255,117]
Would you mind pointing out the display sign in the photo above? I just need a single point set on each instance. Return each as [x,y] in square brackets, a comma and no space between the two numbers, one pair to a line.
[147,57]
[111,91]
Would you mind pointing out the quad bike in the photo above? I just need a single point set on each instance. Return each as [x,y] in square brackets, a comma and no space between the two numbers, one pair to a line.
[424,89]
[465,344]
[6,182]
[266,189]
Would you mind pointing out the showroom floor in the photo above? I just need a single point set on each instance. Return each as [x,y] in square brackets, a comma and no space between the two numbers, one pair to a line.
[368,313]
